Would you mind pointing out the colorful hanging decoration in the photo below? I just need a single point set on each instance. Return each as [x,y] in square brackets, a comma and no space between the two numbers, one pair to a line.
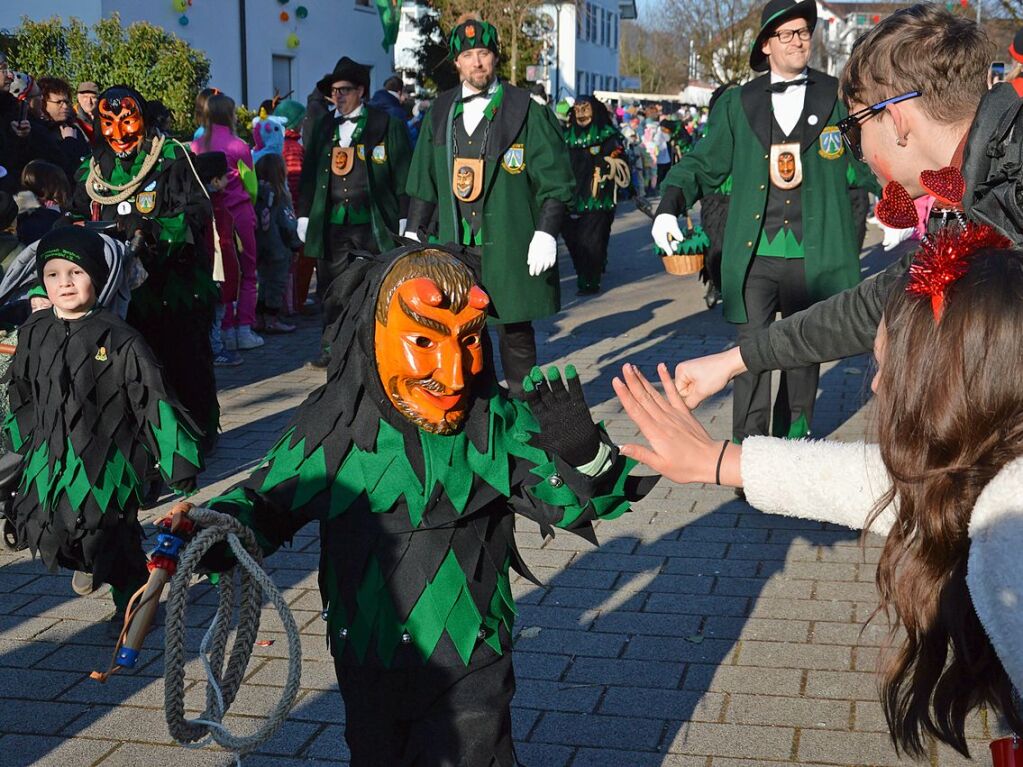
[390,18]
[292,41]
[181,6]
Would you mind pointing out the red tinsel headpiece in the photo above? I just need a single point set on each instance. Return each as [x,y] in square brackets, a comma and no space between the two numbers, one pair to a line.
[944,258]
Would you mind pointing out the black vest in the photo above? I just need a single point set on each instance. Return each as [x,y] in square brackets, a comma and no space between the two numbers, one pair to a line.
[471,147]
[352,190]
[784,208]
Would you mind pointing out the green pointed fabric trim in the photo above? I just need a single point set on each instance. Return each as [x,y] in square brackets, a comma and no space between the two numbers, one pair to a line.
[118,482]
[386,475]
[173,229]
[576,138]
[798,428]
[172,439]
[591,204]
[14,432]
[783,245]
[244,511]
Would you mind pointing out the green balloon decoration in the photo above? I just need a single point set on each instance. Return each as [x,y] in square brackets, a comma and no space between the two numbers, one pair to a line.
[180,6]
[302,12]
[292,41]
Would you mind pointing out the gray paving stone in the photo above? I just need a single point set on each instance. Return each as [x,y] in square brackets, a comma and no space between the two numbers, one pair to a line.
[746,741]
[33,717]
[599,731]
[580,643]
[624,671]
[45,751]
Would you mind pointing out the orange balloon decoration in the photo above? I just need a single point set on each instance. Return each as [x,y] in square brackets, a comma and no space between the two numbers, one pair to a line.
[284,16]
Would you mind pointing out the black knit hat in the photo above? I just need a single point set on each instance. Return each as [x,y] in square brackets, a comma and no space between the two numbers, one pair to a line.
[473,33]
[345,69]
[211,165]
[79,245]
[775,13]
[1016,49]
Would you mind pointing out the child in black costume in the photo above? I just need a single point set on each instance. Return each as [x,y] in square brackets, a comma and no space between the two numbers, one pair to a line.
[88,407]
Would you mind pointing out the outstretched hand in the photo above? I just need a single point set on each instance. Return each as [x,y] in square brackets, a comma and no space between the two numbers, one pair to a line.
[680,448]
[566,427]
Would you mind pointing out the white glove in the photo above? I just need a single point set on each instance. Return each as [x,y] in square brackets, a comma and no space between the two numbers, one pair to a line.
[543,253]
[666,225]
[402,223]
[893,237]
[300,226]
[412,235]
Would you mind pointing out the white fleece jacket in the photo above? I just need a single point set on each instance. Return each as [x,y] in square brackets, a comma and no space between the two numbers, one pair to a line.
[840,483]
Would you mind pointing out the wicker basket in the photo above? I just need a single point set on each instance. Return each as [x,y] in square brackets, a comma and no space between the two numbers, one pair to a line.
[682,265]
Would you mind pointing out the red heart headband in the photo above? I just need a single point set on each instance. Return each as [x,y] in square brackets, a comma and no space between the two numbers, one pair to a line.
[944,257]
[896,210]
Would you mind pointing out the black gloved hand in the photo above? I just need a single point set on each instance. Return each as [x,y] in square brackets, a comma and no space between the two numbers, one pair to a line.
[566,427]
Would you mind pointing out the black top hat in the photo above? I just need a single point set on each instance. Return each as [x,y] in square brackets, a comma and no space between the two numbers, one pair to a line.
[345,69]
[778,12]
[1016,49]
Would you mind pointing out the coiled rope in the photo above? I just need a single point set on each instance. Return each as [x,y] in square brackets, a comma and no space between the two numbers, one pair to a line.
[617,172]
[223,682]
[97,187]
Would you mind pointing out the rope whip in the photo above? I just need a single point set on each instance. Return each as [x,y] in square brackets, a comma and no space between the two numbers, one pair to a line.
[222,681]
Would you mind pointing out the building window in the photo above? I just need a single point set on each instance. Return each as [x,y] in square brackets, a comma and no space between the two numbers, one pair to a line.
[615,29]
[282,75]
[364,3]
[602,17]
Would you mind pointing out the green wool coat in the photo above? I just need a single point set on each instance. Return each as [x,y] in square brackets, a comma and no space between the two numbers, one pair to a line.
[737,144]
[525,164]
[387,173]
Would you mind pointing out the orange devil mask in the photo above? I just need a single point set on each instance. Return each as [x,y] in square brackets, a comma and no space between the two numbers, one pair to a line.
[429,347]
[121,120]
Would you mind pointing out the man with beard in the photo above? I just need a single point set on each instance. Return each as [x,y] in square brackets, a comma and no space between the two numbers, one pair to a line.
[352,191]
[595,149]
[147,183]
[491,164]
[790,239]
[415,464]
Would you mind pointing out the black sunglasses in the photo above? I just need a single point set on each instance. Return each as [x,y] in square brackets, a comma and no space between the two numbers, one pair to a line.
[850,126]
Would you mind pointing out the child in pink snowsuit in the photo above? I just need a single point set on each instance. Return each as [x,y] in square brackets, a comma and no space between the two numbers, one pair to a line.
[235,216]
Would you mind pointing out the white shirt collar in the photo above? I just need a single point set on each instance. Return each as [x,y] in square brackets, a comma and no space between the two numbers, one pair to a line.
[776,78]
[468,90]
[354,113]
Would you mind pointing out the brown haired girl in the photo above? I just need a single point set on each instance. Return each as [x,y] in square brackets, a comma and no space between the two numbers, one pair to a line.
[944,483]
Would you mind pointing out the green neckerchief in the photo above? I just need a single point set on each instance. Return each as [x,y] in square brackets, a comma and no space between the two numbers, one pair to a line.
[492,106]
[341,213]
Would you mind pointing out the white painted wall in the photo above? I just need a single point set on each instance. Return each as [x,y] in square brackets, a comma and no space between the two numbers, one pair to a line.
[334,28]
[584,65]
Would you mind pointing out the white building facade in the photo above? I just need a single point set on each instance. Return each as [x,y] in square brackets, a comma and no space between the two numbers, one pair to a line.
[582,51]
[249,43]
[580,45]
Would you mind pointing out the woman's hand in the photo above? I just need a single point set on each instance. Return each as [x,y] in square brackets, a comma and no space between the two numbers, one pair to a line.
[680,448]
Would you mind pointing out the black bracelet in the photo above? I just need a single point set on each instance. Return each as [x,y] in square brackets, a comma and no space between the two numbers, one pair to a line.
[717,471]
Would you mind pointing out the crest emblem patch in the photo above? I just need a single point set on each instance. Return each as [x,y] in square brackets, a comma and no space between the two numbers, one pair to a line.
[514,160]
[145,202]
[380,154]
[831,143]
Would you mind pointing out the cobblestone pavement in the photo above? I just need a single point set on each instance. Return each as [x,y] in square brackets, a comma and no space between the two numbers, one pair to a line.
[701,633]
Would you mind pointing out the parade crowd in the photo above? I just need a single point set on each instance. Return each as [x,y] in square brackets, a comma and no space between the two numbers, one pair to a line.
[136,262]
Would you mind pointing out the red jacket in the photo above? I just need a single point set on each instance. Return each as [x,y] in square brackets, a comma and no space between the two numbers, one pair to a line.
[293,162]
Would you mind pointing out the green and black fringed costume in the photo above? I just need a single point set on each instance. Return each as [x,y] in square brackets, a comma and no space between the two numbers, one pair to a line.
[587,228]
[417,540]
[173,308]
[89,413]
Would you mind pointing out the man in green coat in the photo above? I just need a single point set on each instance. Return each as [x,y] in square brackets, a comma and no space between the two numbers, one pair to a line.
[790,239]
[352,189]
[492,164]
